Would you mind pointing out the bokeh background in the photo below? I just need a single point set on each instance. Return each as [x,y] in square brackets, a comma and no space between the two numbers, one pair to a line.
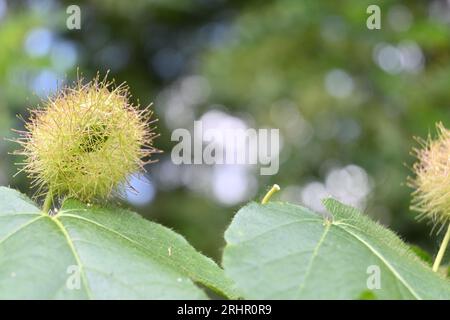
[347,100]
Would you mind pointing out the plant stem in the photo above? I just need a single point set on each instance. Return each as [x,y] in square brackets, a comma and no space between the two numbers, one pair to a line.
[442,249]
[269,194]
[48,201]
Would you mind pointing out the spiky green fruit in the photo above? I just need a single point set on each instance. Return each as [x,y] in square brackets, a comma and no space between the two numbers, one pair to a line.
[86,141]
[432,177]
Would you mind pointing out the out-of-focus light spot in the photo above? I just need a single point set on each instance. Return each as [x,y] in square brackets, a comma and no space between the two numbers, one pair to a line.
[3,9]
[45,83]
[197,178]
[41,6]
[407,57]
[218,34]
[167,175]
[412,56]
[217,119]
[63,55]
[291,194]
[222,33]
[225,124]
[226,184]
[338,83]
[195,89]
[231,184]
[388,58]
[350,185]
[313,194]
[167,62]
[179,101]
[142,191]
[176,113]
[440,11]
[400,18]
[38,42]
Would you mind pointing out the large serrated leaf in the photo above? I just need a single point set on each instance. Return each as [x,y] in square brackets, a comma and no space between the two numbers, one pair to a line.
[284,251]
[115,253]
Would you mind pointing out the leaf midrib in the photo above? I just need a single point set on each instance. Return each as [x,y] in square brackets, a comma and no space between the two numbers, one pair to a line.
[61,227]
[339,225]
[380,256]
[76,256]
[313,256]
[265,232]
[146,251]
[21,227]
[63,230]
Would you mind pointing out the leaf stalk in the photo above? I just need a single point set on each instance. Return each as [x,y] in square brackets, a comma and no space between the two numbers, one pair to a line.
[269,194]
[48,201]
[441,252]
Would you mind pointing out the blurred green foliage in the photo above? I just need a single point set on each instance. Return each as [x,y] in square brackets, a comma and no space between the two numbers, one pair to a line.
[340,93]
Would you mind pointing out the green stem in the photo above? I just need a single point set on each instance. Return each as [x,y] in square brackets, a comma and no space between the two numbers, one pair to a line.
[442,249]
[48,201]
[269,194]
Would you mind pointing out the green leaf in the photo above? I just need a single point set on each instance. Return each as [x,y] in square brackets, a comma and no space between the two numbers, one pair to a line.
[96,253]
[422,255]
[367,295]
[284,251]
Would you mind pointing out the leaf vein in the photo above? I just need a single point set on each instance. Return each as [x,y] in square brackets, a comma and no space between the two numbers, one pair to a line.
[276,229]
[76,256]
[9,235]
[313,256]
[382,258]
[190,274]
